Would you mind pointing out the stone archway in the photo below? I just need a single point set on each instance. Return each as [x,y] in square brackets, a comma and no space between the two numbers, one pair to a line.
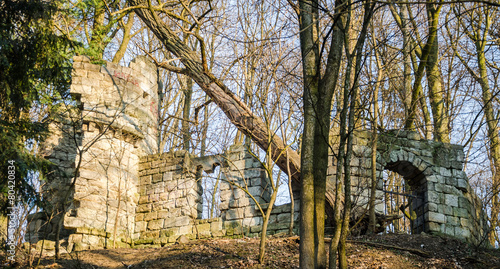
[433,170]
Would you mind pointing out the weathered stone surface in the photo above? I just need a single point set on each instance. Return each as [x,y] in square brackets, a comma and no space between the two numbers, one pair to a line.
[155,224]
[177,222]
[451,200]
[182,240]
[436,217]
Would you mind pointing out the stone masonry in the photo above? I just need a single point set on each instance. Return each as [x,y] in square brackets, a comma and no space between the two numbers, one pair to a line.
[432,171]
[113,122]
[116,190]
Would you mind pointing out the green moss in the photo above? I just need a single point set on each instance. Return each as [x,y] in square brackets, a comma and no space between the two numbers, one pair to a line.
[143,241]
[167,233]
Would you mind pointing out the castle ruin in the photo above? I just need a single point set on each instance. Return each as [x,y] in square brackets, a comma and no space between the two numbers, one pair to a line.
[112,188]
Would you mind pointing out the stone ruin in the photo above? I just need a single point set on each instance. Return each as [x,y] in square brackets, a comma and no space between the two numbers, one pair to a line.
[126,194]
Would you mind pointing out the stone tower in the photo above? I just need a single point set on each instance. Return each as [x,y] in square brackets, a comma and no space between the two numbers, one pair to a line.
[96,144]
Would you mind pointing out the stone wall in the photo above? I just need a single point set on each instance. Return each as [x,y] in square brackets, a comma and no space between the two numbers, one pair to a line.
[244,177]
[170,196]
[170,202]
[100,137]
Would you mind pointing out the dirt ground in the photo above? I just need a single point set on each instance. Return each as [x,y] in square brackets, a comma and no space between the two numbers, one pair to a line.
[379,251]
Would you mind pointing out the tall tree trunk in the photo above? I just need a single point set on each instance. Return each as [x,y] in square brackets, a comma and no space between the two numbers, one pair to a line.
[308,20]
[405,29]
[480,26]
[492,132]
[494,141]
[439,113]
[186,111]
[125,40]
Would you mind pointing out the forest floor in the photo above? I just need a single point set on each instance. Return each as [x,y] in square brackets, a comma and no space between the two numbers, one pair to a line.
[377,251]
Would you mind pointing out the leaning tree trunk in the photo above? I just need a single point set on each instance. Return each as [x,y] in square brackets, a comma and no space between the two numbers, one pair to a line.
[237,112]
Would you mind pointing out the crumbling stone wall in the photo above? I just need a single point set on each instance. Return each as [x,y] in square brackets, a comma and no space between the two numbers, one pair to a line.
[98,141]
[244,177]
[170,196]
[170,202]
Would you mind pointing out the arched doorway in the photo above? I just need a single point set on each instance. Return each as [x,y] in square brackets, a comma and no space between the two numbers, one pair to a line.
[404,194]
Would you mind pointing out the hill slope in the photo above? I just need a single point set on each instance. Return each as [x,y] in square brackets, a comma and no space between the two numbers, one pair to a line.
[380,251]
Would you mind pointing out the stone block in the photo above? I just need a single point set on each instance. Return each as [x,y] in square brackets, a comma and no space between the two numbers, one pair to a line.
[203,228]
[167,176]
[460,212]
[249,222]
[462,184]
[465,222]
[140,226]
[448,210]
[451,181]
[169,232]
[239,203]
[224,186]
[155,224]
[169,205]
[233,214]
[73,222]
[186,229]
[434,197]
[224,205]
[163,196]
[432,227]
[215,226]
[257,173]
[163,214]
[239,165]
[181,202]
[448,229]
[435,217]
[277,226]
[249,212]
[455,221]
[449,189]
[156,178]
[139,216]
[186,184]
[238,193]
[151,216]
[151,234]
[438,187]
[463,202]
[177,222]
[462,232]
[256,229]
[143,199]
[256,191]
[436,179]
[284,218]
[451,200]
